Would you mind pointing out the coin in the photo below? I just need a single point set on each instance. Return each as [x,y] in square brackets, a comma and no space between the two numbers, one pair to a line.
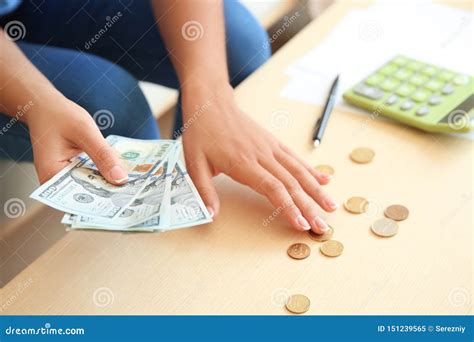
[385,227]
[299,251]
[396,212]
[326,169]
[332,248]
[298,304]
[321,237]
[356,205]
[362,155]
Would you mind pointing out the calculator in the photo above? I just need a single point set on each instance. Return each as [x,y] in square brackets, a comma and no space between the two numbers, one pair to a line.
[418,94]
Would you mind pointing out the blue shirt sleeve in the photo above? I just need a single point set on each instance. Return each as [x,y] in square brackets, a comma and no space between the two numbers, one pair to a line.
[8,6]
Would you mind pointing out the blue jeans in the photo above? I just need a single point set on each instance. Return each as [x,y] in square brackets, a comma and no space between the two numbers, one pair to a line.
[99,69]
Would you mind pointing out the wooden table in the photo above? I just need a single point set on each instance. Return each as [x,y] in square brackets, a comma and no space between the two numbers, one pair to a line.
[239,266]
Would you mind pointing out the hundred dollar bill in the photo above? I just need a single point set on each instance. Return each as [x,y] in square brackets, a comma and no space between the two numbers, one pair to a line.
[80,189]
[152,200]
[69,219]
[186,208]
[138,156]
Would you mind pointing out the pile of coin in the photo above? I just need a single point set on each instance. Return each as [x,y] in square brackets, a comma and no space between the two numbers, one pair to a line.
[299,251]
[396,212]
[356,205]
[332,248]
[299,303]
[387,226]
[362,155]
[384,227]
[326,169]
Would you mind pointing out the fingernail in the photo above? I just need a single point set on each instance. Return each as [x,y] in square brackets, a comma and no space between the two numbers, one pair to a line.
[211,212]
[328,177]
[118,174]
[303,223]
[331,204]
[321,224]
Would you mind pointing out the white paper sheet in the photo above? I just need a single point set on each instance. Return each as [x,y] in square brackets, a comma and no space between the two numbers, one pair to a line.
[366,38]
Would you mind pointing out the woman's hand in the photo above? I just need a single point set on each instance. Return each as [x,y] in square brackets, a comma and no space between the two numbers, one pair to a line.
[218,137]
[59,130]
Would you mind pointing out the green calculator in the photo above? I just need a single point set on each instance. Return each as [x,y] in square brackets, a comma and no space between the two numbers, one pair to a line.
[419,94]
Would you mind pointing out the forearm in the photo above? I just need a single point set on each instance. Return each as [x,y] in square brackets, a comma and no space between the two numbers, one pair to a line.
[194,33]
[20,81]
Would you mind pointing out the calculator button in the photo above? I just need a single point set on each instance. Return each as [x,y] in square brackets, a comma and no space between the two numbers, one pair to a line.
[422,111]
[429,70]
[374,79]
[434,85]
[435,100]
[420,95]
[405,90]
[418,80]
[461,79]
[415,65]
[402,74]
[391,100]
[446,75]
[370,92]
[407,105]
[447,89]
[388,69]
[400,60]
[389,84]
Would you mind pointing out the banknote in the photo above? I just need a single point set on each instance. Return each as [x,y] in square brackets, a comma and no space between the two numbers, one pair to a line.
[186,208]
[158,196]
[80,189]
[139,157]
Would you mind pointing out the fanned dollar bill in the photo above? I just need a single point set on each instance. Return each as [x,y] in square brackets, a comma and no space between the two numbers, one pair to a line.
[158,196]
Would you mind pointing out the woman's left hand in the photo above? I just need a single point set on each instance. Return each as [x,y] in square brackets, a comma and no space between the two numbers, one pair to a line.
[219,137]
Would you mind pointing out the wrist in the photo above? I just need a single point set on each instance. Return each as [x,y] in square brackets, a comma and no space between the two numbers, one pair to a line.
[47,103]
[202,96]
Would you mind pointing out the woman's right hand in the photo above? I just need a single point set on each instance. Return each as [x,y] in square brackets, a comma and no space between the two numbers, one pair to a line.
[60,130]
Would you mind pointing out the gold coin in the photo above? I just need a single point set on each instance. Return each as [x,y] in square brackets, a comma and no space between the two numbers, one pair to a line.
[396,212]
[385,227]
[298,304]
[332,248]
[321,237]
[362,155]
[299,251]
[356,205]
[326,169]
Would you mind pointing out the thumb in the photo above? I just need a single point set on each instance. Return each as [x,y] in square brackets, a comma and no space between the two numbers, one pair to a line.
[202,179]
[109,165]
